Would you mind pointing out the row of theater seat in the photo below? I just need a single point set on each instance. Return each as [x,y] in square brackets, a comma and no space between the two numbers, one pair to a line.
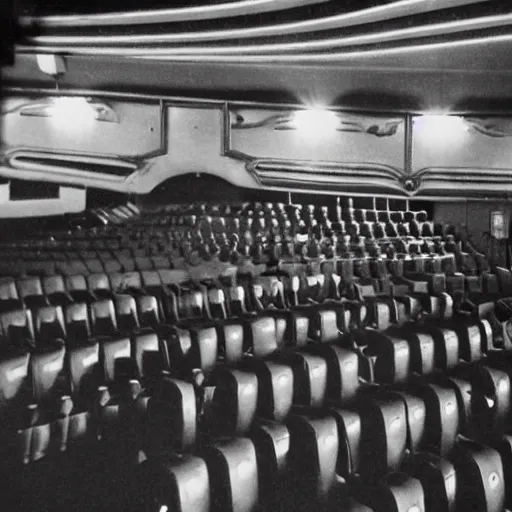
[368,383]
[273,380]
[261,331]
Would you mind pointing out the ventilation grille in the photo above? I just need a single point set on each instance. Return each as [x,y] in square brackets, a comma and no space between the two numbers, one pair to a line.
[42,162]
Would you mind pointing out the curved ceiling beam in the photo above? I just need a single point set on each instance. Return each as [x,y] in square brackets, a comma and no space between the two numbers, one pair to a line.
[142,17]
[437,29]
[330,58]
[381,13]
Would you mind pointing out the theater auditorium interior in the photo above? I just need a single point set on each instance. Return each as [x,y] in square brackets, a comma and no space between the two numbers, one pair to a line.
[255,256]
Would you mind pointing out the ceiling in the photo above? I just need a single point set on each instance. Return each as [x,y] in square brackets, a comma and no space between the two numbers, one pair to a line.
[407,55]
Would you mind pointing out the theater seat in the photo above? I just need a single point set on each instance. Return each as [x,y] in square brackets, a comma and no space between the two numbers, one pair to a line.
[438,479]
[99,285]
[234,403]
[18,410]
[76,286]
[480,478]
[103,318]
[126,313]
[31,292]
[397,493]
[49,324]
[55,290]
[149,311]
[272,444]
[9,298]
[233,471]
[77,322]
[180,484]
[172,417]
[384,435]
[18,327]
[313,456]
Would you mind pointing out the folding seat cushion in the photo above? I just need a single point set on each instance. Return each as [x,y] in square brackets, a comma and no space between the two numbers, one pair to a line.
[31,292]
[470,339]
[390,355]
[18,412]
[113,353]
[231,341]
[47,367]
[233,472]
[127,262]
[349,431]
[55,290]
[99,285]
[461,383]
[149,311]
[151,282]
[384,435]
[49,324]
[143,263]
[217,303]
[77,322]
[204,348]
[40,268]
[126,312]
[446,342]
[236,301]
[313,455]
[94,266]
[342,371]
[14,380]
[326,325]
[128,282]
[12,268]
[480,477]
[272,444]
[275,387]
[18,327]
[177,484]
[172,416]
[309,377]
[103,318]
[490,401]
[442,417]
[421,350]
[76,286]
[84,372]
[146,353]
[260,334]
[74,267]
[172,277]
[397,493]
[9,298]
[234,403]
[191,303]
[111,265]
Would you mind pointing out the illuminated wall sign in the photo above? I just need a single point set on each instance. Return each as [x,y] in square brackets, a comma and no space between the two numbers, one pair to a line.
[499,224]
[83,125]
[317,135]
[457,142]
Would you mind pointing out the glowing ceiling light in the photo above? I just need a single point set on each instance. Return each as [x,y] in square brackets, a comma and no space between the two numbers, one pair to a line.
[440,121]
[63,109]
[70,111]
[315,121]
[440,127]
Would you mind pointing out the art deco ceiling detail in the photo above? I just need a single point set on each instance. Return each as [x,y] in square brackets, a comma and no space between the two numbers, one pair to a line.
[270,31]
